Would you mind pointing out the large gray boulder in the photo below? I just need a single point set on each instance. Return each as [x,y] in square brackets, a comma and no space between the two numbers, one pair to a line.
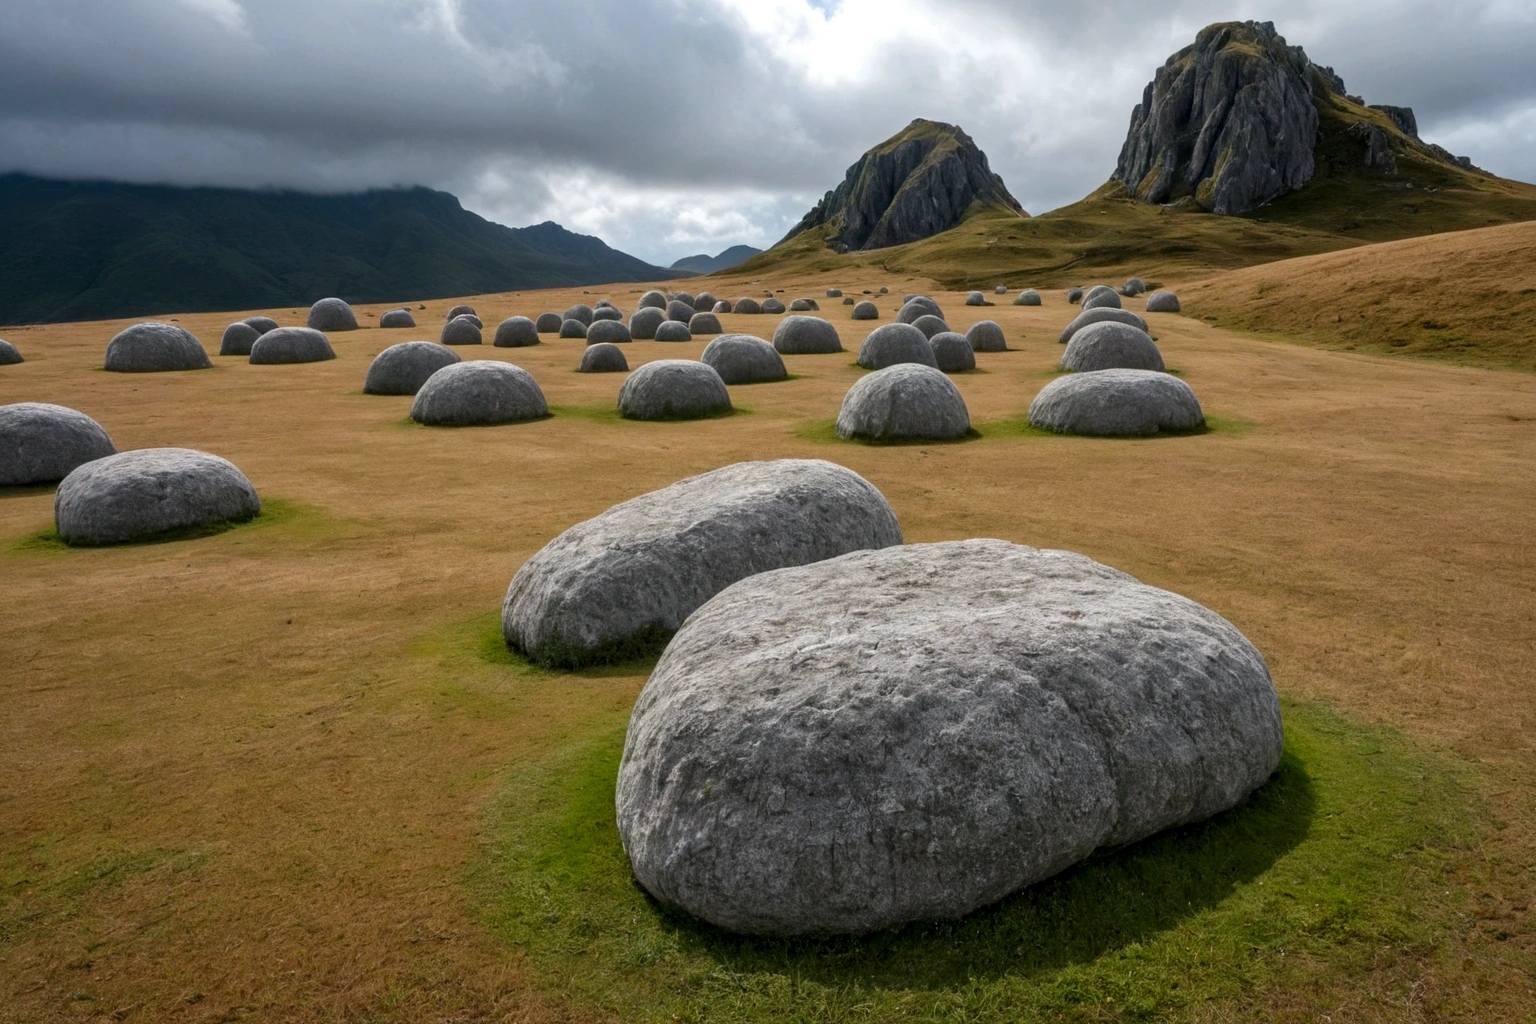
[913,733]
[918,306]
[396,318]
[1099,315]
[41,443]
[604,357]
[744,359]
[890,344]
[806,335]
[673,330]
[986,336]
[652,300]
[516,332]
[747,305]
[238,339]
[479,393]
[1101,295]
[905,402]
[331,315]
[573,329]
[9,355]
[930,325]
[644,321]
[773,306]
[617,583]
[263,324]
[461,330]
[549,323]
[680,311]
[1111,346]
[674,389]
[1162,302]
[602,312]
[402,369]
[1117,403]
[141,494]
[866,310]
[582,312]
[608,332]
[1028,297]
[952,352]
[155,348]
[704,323]
[292,345]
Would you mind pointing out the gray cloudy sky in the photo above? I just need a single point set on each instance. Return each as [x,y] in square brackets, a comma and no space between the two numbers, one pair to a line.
[669,127]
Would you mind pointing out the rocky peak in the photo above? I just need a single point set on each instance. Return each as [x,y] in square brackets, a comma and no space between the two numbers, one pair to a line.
[925,179]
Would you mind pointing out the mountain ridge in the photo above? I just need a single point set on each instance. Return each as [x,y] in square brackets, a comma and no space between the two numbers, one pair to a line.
[703,263]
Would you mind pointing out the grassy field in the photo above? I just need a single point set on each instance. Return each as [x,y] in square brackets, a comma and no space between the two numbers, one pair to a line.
[287,772]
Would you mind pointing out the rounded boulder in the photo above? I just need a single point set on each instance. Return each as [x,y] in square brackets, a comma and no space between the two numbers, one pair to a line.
[644,321]
[680,311]
[516,332]
[773,306]
[704,323]
[744,359]
[396,318]
[806,335]
[602,312]
[1100,296]
[580,312]
[723,306]
[238,339]
[1111,345]
[263,324]
[482,392]
[402,369]
[549,323]
[573,329]
[331,315]
[1074,296]
[155,348]
[604,357]
[674,389]
[930,325]
[905,402]
[747,305]
[461,330]
[291,345]
[460,310]
[1162,302]
[1117,403]
[976,299]
[986,336]
[952,352]
[673,330]
[9,354]
[142,494]
[834,293]
[608,332]
[652,300]
[890,344]
[42,443]
[916,307]
[866,310]
[1100,315]
[1028,297]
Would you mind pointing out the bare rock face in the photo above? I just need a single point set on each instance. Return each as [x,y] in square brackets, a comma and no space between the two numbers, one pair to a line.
[905,402]
[402,369]
[604,357]
[479,393]
[912,733]
[516,332]
[1100,315]
[332,315]
[608,332]
[1116,403]
[1111,346]
[890,344]
[674,389]
[744,359]
[916,184]
[139,494]
[635,573]
[238,339]
[153,347]
[806,335]
[292,345]
[41,443]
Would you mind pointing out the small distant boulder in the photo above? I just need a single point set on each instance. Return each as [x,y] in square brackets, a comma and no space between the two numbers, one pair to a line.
[601,312]
[834,293]
[155,348]
[472,318]
[890,344]
[516,332]
[803,306]
[581,312]
[460,310]
[9,354]
[461,330]
[1111,346]
[917,306]
[849,301]
[1099,296]
[723,306]
[42,443]
[806,335]
[883,290]
[1135,286]
[773,306]
[952,352]
[1074,295]
[686,298]
[608,332]
[644,321]
[905,402]
[704,323]
[479,393]
[866,310]
[549,323]
[674,389]
[238,339]
[673,330]
[573,329]
[402,369]
[652,300]
[986,336]
[1001,289]
[291,345]
[930,325]
[976,299]
[142,494]
[744,359]
[1028,297]
[603,357]
[331,315]
[1102,314]
[1117,403]
[397,318]
[1162,302]
[263,324]
[748,305]
[680,311]
[704,302]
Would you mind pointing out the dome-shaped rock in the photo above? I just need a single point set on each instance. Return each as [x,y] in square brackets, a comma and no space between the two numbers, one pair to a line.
[986,336]
[331,315]
[704,323]
[747,305]
[472,318]
[850,301]
[673,330]
[686,298]
[263,324]
[918,306]
[806,335]
[1100,296]
[1135,286]
[155,348]
[883,290]
[9,354]
[1099,315]
[952,352]
[834,293]
[603,357]
[744,359]
[1116,403]
[580,312]
[516,332]
[673,389]
[913,733]
[1001,289]
[573,329]
[644,321]
[1074,295]
[802,306]
[905,402]
[890,344]
[634,573]
[866,310]
[1111,346]
[606,313]
[41,443]
[773,306]
[680,311]
[724,306]
[292,345]
[1162,302]
[461,330]
[1028,297]
[704,302]
[142,494]
[459,310]
[608,332]
[402,369]
[479,393]
[930,325]
[549,323]
[652,300]
[397,318]
[976,299]
[238,339]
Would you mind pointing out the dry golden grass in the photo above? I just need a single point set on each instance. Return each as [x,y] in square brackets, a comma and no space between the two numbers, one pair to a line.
[244,776]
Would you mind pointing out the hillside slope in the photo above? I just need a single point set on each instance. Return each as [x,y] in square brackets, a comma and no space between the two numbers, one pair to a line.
[86,250]
[1467,297]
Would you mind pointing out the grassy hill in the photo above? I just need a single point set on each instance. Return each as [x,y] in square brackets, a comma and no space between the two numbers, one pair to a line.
[84,250]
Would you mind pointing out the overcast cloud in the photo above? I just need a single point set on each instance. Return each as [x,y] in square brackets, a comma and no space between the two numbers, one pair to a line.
[670,127]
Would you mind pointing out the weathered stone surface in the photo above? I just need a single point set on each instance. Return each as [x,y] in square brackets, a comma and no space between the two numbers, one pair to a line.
[806,335]
[686,298]
[603,357]
[952,352]
[930,325]
[724,306]
[834,293]
[1111,346]
[744,359]
[472,318]
[263,324]
[904,402]
[636,572]
[674,389]
[976,299]
[153,347]
[986,336]
[918,305]
[680,311]
[1028,297]
[916,184]
[395,318]
[803,306]
[460,310]
[1101,296]
[402,369]
[139,494]
[41,443]
[850,301]
[913,733]
[1116,403]
[291,345]
[602,312]
[516,332]
[644,321]
[549,323]
[652,300]
[1099,315]
[479,393]
[608,332]
[573,329]
[748,305]
[773,306]
[704,302]
[461,330]
[1074,295]
[704,323]
[580,312]
[1001,289]
[238,339]
[890,344]
[673,330]
[331,315]
[1162,302]
[866,310]
[9,354]
[1228,122]
[1135,286]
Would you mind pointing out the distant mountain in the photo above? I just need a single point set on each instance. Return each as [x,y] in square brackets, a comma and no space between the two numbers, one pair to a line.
[707,264]
[96,250]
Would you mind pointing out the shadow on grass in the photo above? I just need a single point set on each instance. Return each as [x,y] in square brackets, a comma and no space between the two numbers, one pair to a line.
[610,414]
[825,432]
[479,638]
[274,512]
[27,491]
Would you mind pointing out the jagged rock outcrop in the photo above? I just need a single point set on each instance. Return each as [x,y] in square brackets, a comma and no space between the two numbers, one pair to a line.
[926,179]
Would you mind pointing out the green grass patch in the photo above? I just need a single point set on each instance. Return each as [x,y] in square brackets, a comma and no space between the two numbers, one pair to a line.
[479,638]
[274,512]
[1335,859]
